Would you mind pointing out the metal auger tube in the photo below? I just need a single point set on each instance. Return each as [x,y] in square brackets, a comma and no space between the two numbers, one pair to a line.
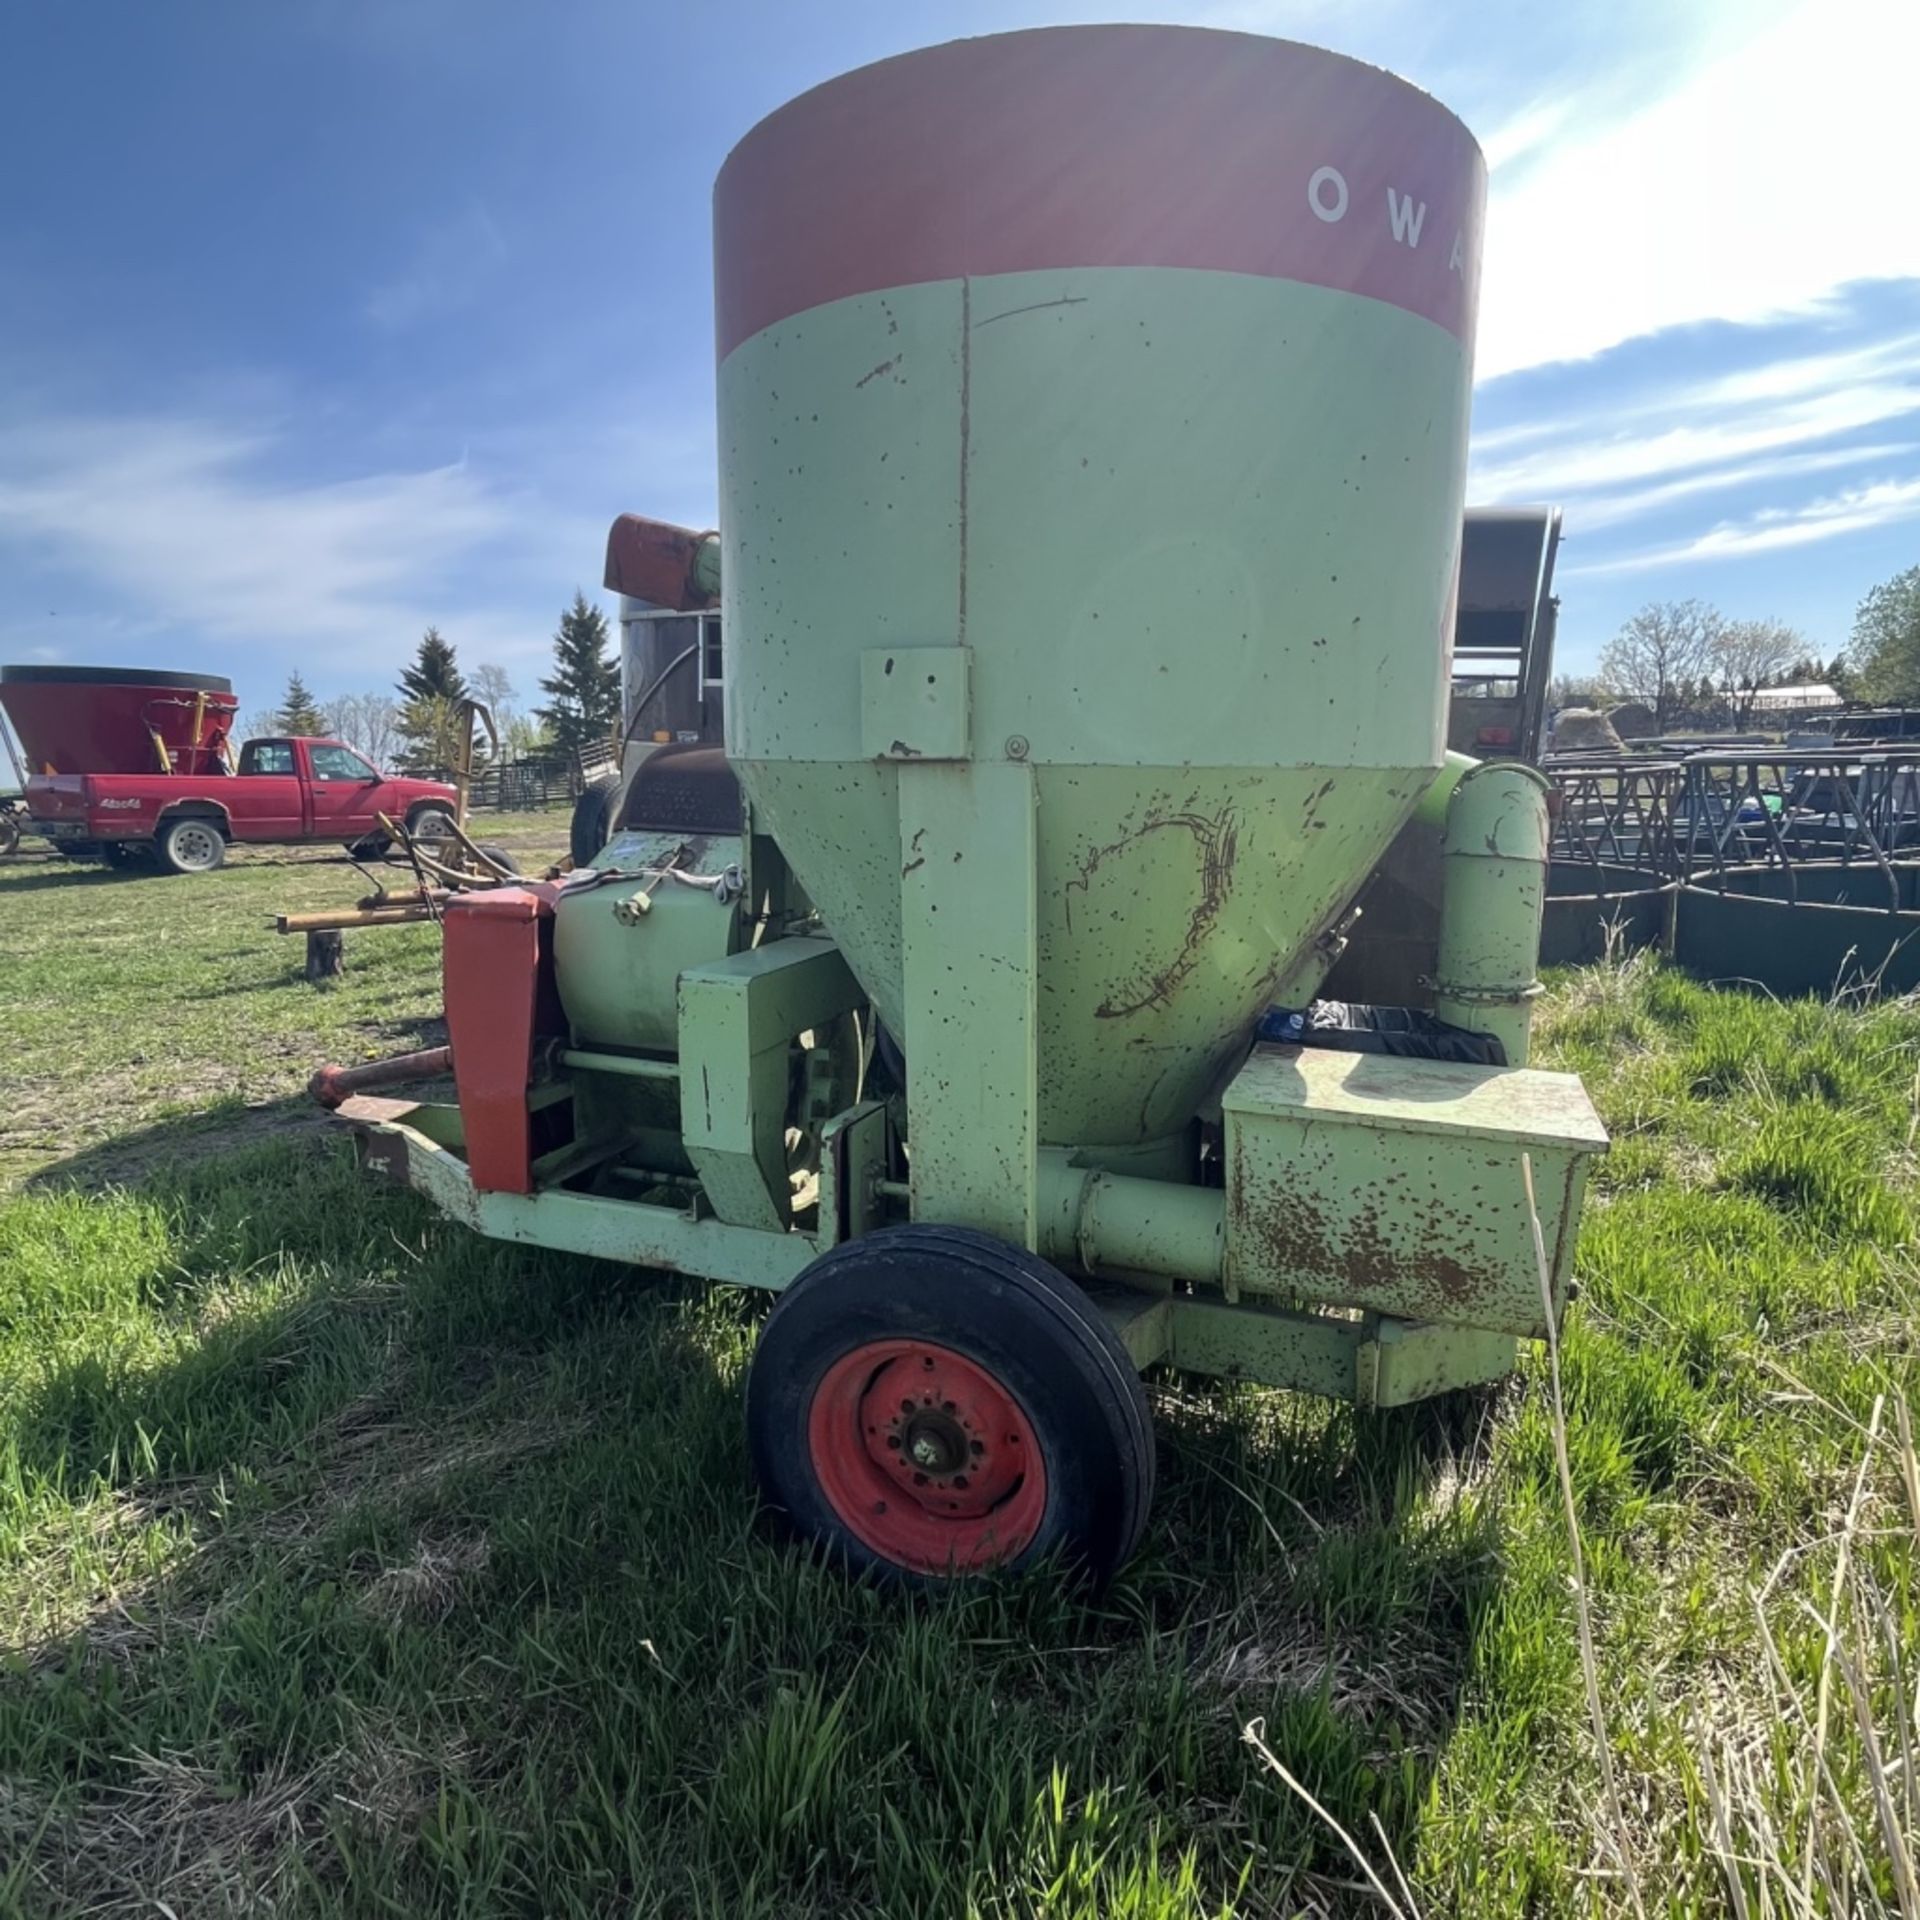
[1494,885]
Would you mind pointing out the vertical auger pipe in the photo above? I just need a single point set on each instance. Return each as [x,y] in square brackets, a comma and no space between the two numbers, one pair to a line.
[1494,883]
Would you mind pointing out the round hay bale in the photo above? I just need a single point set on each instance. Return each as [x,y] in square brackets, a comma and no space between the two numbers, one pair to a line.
[1585,730]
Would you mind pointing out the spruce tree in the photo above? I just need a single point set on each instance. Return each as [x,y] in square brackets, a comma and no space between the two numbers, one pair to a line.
[299,711]
[585,684]
[428,688]
[435,672]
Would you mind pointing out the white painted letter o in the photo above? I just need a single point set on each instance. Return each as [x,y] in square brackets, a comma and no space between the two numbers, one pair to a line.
[1328,177]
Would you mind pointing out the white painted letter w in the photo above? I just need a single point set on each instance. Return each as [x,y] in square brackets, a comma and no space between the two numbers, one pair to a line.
[1407,218]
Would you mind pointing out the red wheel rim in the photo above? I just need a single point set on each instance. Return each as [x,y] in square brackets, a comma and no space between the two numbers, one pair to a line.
[926,1458]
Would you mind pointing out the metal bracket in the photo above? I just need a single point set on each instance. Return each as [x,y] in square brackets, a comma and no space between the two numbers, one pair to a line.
[915,703]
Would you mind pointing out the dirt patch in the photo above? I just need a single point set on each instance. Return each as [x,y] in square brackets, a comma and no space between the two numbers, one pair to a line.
[128,1163]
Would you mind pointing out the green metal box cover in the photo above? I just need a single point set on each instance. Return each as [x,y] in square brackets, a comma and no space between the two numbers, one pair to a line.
[1364,1180]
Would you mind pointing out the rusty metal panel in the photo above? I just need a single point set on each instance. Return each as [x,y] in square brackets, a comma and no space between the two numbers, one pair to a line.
[1364,1180]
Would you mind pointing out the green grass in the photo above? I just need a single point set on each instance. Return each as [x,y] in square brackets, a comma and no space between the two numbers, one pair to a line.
[133,998]
[352,1565]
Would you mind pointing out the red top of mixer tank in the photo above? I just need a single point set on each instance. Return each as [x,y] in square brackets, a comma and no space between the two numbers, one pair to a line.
[1101,147]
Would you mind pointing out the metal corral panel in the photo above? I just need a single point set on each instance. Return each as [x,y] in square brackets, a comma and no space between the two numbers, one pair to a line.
[1369,1181]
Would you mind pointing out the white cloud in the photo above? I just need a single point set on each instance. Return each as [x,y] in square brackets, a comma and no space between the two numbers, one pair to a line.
[1590,458]
[183,520]
[448,269]
[1857,509]
[1608,510]
[1700,437]
[1766,178]
[1526,133]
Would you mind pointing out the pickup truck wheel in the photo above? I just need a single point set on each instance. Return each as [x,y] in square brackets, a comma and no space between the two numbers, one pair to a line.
[118,853]
[191,844]
[9,833]
[430,824]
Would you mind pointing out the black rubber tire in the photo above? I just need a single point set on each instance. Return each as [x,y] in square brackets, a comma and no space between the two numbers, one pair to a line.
[500,855]
[171,856]
[9,833]
[592,822]
[1009,1312]
[376,846]
[119,854]
[421,822]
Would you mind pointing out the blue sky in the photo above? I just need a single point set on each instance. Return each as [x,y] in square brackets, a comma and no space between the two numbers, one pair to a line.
[324,319]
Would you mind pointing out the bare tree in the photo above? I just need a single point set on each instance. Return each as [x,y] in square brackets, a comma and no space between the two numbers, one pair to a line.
[1661,653]
[493,687]
[1575,690]
[492,684]
[1751,654]
[369,721]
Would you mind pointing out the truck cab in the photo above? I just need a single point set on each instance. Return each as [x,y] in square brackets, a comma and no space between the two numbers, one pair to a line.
[322,790]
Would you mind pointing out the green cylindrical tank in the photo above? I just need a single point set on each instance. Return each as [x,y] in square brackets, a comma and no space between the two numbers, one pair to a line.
[1136,362]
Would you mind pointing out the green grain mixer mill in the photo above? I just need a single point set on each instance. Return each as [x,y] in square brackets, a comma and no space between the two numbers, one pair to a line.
[1092,430]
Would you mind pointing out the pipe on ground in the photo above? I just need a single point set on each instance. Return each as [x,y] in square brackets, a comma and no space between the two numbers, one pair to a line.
[334,1086]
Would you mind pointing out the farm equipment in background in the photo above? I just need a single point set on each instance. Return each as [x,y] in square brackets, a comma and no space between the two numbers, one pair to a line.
[13,802]
[1503,632]
[668,580]
[127,762]
[1087,649]
[119,719]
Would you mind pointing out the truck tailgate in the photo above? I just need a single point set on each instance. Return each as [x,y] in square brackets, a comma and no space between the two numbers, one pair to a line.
[57,796]
[88,806]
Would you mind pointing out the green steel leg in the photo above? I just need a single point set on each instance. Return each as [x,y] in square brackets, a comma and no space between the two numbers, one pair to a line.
[968,926]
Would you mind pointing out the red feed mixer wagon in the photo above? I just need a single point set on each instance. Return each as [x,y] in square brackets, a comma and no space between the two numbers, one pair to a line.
[132,763]
[118,719]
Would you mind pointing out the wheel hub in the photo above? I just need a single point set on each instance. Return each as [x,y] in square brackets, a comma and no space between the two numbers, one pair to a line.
[936,1444]
[927,1457]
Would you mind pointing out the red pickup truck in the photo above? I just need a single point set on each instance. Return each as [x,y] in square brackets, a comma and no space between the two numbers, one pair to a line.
[282,790]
